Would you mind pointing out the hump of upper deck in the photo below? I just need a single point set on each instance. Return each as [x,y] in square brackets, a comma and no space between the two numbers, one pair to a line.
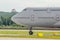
[43,8]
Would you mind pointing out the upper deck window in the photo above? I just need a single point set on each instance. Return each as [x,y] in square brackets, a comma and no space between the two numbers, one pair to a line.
[55,9]
[40,10]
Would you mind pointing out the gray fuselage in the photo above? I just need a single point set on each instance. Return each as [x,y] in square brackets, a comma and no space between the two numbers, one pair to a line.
[43,17]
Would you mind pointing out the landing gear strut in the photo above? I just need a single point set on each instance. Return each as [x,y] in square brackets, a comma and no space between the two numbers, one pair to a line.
[30,32]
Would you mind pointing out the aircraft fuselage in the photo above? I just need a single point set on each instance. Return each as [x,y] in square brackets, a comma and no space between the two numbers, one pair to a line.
[38,17]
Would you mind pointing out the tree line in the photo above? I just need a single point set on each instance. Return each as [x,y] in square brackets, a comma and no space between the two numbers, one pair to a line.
[6,21]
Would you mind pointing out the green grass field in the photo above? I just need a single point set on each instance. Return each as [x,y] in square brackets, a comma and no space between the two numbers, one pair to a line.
[17,34]
[24,34]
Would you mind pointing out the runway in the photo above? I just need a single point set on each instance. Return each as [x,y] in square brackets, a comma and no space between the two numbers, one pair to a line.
[26,39]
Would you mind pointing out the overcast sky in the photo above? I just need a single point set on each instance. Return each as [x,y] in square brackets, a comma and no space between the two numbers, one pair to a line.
[7,5]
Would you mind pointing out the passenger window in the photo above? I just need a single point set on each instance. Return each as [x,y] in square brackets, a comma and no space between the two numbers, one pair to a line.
[40,10]
[55,9]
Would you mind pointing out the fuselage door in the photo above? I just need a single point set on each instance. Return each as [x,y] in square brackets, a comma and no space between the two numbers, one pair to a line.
[57,17]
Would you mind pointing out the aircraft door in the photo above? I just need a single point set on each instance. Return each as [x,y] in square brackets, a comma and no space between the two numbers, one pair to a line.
[57,17]
[32,17]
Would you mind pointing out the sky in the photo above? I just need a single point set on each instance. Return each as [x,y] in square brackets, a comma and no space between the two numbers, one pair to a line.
[19,5]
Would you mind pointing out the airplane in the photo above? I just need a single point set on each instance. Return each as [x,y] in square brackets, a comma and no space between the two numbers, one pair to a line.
[38,17]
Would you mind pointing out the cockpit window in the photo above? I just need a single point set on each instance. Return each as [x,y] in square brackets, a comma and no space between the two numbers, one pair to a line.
[24,9]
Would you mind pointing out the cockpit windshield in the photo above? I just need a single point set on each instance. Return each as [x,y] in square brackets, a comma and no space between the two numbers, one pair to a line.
[24,9]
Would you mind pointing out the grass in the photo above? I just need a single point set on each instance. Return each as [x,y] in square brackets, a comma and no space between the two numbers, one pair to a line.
[17,33]
[25,34]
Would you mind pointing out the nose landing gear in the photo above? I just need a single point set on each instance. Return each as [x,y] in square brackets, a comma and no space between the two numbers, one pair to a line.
[30,32]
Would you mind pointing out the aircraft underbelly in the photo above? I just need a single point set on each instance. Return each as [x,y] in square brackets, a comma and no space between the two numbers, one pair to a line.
[45,23]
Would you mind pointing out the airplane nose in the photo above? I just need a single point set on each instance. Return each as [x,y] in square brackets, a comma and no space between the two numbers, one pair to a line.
[13,18]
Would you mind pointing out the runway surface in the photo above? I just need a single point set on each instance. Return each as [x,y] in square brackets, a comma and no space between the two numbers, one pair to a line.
[26,39]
